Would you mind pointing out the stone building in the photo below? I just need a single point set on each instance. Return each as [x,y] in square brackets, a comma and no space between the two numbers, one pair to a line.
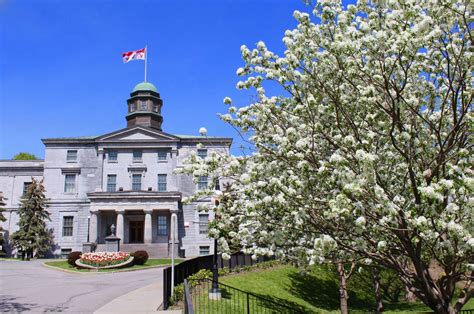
[124,178]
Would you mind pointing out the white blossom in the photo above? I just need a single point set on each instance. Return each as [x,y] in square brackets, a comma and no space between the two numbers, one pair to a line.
[203,131]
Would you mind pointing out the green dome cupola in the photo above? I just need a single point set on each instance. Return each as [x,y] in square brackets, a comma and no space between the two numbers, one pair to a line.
[144,106]
[145,86]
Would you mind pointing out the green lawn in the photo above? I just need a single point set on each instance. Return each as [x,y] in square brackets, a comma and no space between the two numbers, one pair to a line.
[152,262]
[314,292]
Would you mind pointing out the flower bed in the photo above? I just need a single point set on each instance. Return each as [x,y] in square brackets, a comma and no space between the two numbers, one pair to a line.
[102,259]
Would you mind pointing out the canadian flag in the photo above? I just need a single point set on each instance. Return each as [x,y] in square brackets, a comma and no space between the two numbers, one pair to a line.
[134,55]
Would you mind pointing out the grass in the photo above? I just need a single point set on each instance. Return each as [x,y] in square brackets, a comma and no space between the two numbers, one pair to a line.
[152,262]
[314,292]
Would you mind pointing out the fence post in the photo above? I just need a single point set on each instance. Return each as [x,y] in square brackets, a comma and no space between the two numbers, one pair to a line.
[248,304]
[188,301]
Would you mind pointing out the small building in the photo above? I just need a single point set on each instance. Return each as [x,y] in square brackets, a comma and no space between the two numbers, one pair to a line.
[124,178]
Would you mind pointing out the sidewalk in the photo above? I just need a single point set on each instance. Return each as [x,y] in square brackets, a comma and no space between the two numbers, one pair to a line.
[143,300]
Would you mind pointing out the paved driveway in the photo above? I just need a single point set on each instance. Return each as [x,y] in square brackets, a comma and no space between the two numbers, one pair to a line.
[29,286]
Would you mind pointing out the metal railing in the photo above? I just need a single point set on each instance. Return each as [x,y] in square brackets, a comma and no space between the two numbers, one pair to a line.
[192,266]
[188,304]
[201,299]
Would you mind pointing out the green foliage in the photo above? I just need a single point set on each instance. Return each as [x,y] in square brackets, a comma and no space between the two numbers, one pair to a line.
[73,257]
[178,291]
[25,156]
[140,257]
[33,236]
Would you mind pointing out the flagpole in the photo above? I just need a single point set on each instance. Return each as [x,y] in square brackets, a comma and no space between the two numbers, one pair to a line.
[146,59]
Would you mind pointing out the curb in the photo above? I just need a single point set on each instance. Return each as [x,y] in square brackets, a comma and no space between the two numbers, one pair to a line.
[102,272]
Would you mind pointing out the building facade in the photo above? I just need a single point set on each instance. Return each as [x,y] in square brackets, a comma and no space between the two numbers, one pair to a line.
[124,178]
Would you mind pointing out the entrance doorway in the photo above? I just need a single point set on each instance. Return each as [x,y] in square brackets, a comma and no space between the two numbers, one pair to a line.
[136,231]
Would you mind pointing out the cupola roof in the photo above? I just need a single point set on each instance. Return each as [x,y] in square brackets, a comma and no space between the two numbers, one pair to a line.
[145,86]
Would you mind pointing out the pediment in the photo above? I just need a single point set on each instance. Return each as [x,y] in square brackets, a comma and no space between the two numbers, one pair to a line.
[137,134]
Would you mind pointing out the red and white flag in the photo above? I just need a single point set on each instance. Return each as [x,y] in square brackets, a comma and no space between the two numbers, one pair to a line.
[134,55]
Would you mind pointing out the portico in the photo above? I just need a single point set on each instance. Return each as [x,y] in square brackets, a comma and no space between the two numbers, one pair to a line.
[140,218]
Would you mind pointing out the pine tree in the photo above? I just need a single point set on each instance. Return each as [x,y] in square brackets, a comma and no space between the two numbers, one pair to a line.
[33,238]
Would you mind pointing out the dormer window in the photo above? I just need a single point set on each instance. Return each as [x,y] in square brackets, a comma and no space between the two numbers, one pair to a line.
[143,105]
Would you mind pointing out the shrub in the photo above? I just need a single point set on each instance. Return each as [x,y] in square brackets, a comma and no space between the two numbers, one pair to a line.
[73,257]
[194,280]
[140,257]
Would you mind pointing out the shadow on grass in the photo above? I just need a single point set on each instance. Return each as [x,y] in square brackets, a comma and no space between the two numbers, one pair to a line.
[324,293]
[237,302]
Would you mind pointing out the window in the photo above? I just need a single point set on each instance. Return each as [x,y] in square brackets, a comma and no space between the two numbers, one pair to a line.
[204,250]
[111,183]
[162,155]
[137,155]
[65,252]
[202,153]
[155,107]
[202,183]
[26,185]
[136,182]
[68,226]
[143,105]
[70,183]
[133,107]
[203,223]
[162,183]
[112,156]
[71,155]
[162,226]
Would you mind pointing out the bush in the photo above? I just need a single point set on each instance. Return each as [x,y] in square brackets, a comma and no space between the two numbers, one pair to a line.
[73,257]
[194,280]
[140,257]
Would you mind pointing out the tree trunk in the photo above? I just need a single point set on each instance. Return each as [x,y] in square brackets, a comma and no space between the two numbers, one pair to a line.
[342,289]
[409,296]
[377,289]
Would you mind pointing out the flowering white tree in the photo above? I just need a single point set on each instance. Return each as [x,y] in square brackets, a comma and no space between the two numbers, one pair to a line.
[366,154]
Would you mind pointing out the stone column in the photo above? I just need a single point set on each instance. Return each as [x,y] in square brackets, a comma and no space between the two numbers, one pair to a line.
[93,226]
[120,224]
[148,226]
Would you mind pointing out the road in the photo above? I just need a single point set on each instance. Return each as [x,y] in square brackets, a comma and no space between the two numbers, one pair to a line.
[29,286]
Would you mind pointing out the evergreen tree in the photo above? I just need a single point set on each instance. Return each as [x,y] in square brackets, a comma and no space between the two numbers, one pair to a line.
[33,238]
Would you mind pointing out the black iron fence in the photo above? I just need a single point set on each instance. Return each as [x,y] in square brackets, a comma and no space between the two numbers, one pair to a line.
[188,303]
[200,298]
[192,266]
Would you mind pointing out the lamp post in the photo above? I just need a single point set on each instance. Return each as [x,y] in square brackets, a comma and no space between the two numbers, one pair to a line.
[174,219]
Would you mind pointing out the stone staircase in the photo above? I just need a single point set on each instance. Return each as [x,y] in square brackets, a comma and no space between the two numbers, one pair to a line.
[154,250]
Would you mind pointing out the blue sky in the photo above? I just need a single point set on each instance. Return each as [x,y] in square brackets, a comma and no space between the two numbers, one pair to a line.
[61,72]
